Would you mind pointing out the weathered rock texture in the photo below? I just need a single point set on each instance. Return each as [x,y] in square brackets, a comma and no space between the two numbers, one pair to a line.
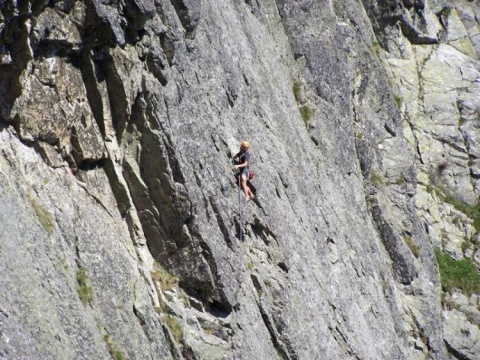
[120,229]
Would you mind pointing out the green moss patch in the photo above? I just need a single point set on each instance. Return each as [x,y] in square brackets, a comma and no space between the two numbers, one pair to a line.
[84,291]
[307,114]
[174,326]
[113,348]
[471,211]
[44,216]
[457,274]
[297,87]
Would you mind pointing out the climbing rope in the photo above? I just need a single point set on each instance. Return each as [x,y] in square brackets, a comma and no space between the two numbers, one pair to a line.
[240,205]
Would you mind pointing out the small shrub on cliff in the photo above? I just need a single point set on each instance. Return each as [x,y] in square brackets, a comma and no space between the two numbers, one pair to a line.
[175,327]
[457,274]
[376,178]
[114,350]
[307,114]
[375,49]
[471,211]
[84,291]
[305,111]
[469,244]
[398,100]
[297,88]
[166,279]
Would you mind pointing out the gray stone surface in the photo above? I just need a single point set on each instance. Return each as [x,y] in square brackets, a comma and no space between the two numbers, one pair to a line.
[118,123]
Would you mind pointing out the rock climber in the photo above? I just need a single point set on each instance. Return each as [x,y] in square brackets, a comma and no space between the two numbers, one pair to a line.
[243,160]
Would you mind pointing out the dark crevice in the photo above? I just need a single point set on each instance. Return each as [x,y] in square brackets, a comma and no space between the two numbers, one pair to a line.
[90,76]
[120,193]
[140,318]
[455,353]
[116,94]
[99,29]
[390,129]
[218,309]
[174,164]
[283,266]
[450,141]
[402,258]
[15,41]
[188,12]
[268,324]
[282,349]
[147,213]
[46,48]
[77,152]
[171,343]
[157,67]
[205,249]
[168,47]
[390,14]
[263,231]
[88,165]
[207,289]
[343,341]
[256,283]
[3,125]
[239,228]
[231,98]
[205,305]
[221,223]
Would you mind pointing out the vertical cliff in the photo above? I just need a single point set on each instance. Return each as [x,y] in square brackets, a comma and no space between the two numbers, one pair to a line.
[121,231]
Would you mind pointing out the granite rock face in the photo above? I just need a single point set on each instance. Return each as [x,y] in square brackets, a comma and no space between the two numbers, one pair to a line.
[122,229]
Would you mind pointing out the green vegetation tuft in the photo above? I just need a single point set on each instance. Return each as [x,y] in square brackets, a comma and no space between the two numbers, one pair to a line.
[175,327]
[166,279]
[359,134]
[376,178]
[446,11]
[114,350]
[297,87]
[465,246]
[44,216]
[398,99]
[84,291]
[307,114]
[471,211]
[469,244]
[375,48]
[447,302]
[457,274]
[305,111]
